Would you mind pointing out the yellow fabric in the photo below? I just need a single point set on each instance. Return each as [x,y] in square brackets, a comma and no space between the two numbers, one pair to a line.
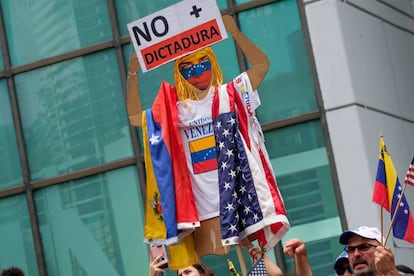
[391,173]
[183,254]
[154,228]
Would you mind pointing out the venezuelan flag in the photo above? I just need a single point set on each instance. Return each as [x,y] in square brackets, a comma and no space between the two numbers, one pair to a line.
[387,192]
[203,154]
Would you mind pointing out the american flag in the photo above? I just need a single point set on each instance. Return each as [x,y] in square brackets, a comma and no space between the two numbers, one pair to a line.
[239,207]
[258,269]
[409,178]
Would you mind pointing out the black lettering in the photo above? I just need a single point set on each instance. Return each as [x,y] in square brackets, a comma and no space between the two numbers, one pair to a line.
[185,41]
[155,54]
[160,54]
[168,46]
[177,46]
[149,58]
[137,31]
[204,35]
[213,31]
[165,23]
[198,39]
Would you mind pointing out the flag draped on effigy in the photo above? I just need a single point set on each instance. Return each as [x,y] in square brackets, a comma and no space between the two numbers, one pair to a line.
[160,207]
[250,202]
[255,205]
[166,151]
[387,192]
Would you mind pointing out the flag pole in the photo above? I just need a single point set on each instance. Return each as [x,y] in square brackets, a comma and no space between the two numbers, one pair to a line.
[382,208]
[394,215]
[241,259]
[382,225]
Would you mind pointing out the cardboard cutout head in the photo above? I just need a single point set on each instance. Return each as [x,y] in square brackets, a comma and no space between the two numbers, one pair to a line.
[196,72]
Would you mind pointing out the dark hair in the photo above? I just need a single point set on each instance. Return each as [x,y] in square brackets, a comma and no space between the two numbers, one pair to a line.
[12,271]
[202,269]
[404,269]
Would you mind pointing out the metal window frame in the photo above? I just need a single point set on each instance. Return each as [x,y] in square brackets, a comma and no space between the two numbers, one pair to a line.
[117,43]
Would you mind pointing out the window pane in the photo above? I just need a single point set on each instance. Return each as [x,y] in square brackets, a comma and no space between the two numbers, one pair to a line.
[288,87]
[73,115]
[52,27]
[93,226]
[222,4]
[302,170]
[131,10]
[1,59]
[17,248]
[301,165]
[10,170]
[320,255]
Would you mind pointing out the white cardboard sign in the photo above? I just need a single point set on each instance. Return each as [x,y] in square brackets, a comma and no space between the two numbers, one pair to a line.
[176,31]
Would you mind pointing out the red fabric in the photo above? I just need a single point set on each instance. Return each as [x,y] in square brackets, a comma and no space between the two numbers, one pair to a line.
[165,113]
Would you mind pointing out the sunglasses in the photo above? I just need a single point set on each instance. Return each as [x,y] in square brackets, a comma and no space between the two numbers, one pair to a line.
[361,248]
[341,270]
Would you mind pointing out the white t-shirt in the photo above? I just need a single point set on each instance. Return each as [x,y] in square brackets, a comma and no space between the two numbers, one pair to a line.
[197,135]
[195,125]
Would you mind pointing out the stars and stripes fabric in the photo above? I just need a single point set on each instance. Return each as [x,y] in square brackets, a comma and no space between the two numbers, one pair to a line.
[409,177]
[258,269]
[249,200]
[388,191]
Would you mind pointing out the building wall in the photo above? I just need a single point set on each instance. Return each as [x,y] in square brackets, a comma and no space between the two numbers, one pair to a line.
[364,58]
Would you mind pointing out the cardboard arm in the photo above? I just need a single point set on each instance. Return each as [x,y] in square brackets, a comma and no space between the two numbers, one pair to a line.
[257,58]
[134,106]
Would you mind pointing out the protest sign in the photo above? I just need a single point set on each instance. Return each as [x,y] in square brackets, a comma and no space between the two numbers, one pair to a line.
[176,31]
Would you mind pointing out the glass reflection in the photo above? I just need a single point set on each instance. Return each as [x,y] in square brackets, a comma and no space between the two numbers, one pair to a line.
[288,87]
[301,165]
[93,226]
[10,170]
[45,28]
[17,248]
[73,115]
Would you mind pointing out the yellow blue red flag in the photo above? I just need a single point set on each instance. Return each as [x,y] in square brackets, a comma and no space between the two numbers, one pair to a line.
[387,192]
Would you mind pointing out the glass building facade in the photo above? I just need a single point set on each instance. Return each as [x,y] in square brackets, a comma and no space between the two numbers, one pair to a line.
[71,167]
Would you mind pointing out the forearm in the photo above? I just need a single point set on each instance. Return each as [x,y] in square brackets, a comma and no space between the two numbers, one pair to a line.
[134,106]
[302,266]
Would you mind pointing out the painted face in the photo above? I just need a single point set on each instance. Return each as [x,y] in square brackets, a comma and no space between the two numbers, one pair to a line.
[361,254]
[196,69]
[188,271]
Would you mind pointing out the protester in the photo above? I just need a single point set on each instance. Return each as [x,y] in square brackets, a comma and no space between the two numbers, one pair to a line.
[296,249]
[341,265]
[256,254]
[198,269]
[404,270]
[12,271]
[366,255]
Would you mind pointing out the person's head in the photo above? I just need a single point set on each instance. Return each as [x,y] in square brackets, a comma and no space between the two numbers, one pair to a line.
[12,271]
[404,270]
[198,269]
[341,265]
[196,72]
[360,245]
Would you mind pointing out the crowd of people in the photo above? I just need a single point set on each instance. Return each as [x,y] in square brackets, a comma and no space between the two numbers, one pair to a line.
[363,255]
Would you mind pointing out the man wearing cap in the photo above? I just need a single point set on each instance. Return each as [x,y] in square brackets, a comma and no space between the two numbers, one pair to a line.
[341,265]
[367,257]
